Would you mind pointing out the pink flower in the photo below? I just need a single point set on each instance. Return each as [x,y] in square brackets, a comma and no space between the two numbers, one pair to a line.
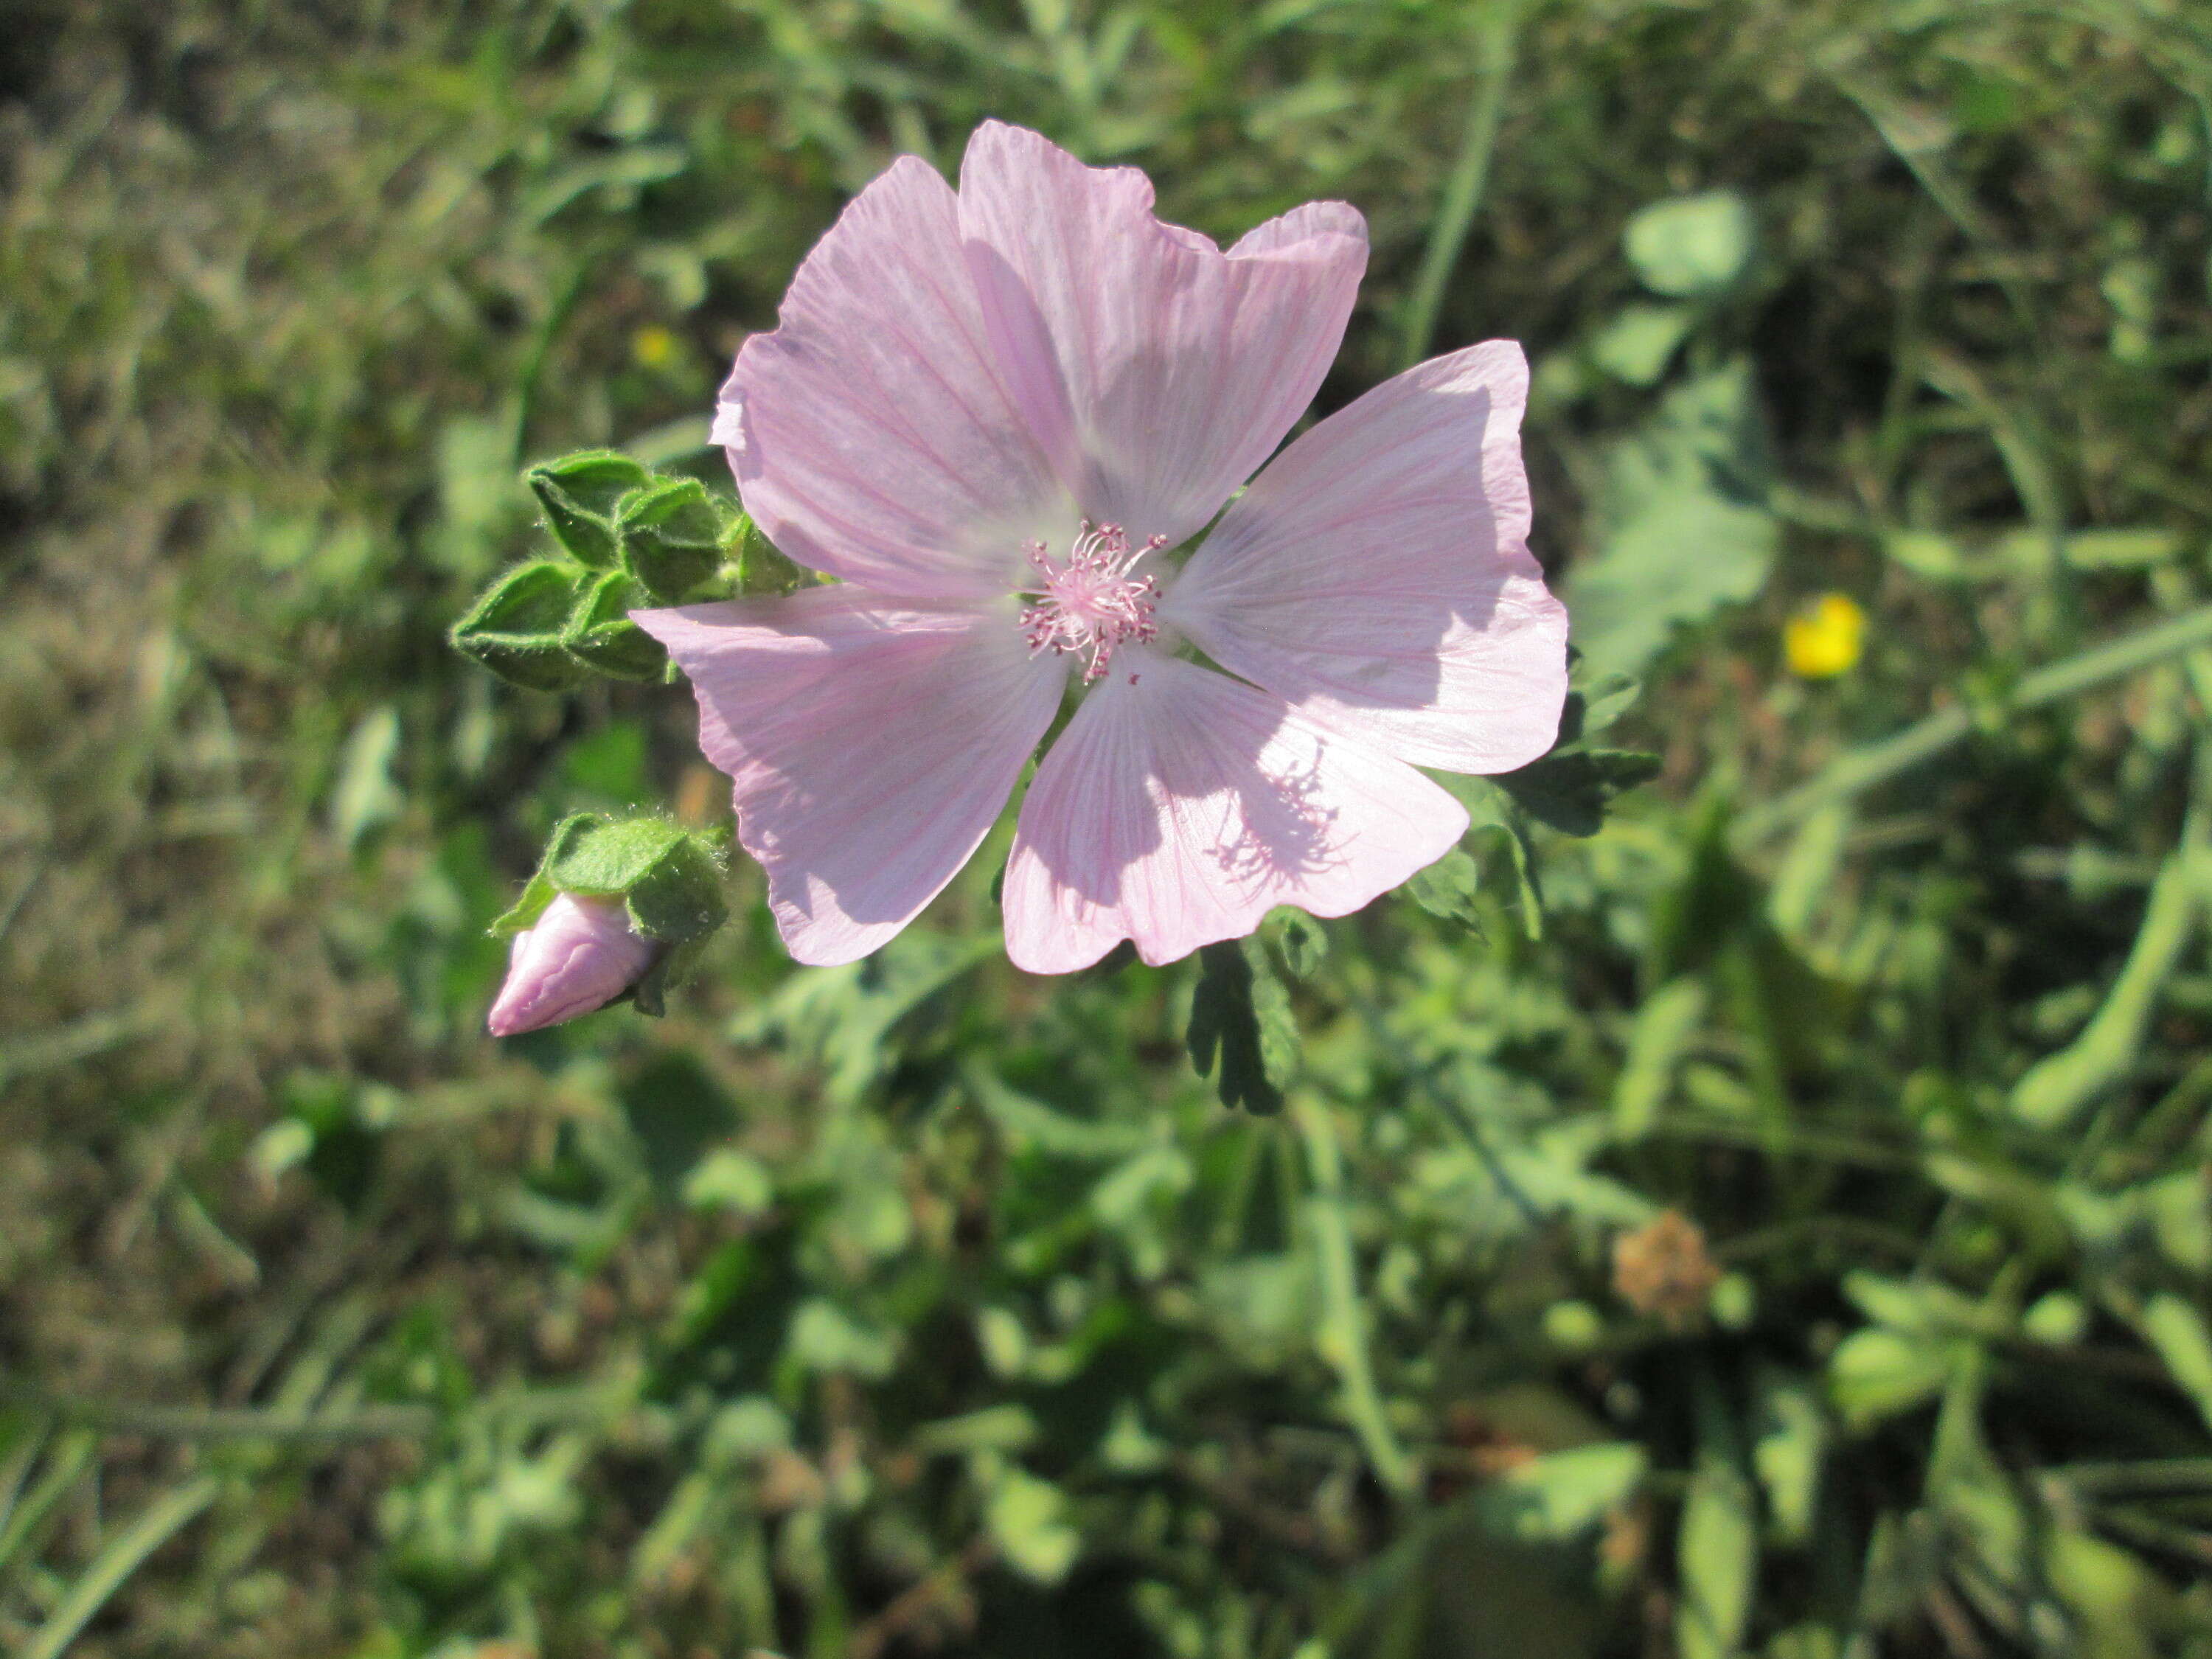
[993,416]
[579,957]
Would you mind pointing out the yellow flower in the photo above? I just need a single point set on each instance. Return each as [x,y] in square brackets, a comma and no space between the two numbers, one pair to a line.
[653,346]
[1825,639]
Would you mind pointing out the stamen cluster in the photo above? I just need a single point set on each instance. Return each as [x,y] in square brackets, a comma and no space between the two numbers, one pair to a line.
[1091,603]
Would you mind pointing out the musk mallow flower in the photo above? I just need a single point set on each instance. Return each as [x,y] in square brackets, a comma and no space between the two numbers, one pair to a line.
[578,956]
[995,416]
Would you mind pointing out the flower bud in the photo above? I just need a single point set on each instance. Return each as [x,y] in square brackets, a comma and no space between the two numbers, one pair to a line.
[578,956]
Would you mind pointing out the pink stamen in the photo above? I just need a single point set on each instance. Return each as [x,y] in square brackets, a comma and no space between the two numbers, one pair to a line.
[1091,603]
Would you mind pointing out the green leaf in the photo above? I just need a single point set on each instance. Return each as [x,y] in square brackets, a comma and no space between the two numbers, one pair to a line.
[1792,1439]
[1682,526]
[1670,1017]
[1240,1014]
[514,628]
[1027,1518]
[1602,701]
[1876,1373]
[1298,940]
[1716,1559]
[1561,1494]
[824,1338]
[1569,791]
[1692,244]
[366,794]
[600,635]
[670,535]
[1447,888]
[579,494]
[2178,1332]
[1638,345]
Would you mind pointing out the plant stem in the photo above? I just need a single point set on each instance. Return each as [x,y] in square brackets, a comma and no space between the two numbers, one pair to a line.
[1342,1340]
[161,1522]
[1462,195]
[1877,763]
[233,1423]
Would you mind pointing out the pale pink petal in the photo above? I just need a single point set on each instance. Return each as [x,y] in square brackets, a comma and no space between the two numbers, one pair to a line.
[870,433]
[1157,371]
[872,744]
[1180,806]
[578,956]
[1377,574]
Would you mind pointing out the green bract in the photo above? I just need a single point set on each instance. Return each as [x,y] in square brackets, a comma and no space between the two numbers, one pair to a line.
[579,494]
[600,635]
[516,629]
[670,880]
[632,540]
[670,537]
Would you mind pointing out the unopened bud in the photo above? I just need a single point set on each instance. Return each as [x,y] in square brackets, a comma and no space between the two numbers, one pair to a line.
[578,957]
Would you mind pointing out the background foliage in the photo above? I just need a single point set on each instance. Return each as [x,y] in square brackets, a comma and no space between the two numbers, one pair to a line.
[1776,1224]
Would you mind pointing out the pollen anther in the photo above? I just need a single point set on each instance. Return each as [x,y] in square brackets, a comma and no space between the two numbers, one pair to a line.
[1089,604]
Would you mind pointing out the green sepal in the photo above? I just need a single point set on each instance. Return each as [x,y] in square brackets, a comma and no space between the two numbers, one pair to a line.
[671,536]
[515,628]
[670,969]
[601,636]
[579,494]
[670,877]
[670,880]
[761,569]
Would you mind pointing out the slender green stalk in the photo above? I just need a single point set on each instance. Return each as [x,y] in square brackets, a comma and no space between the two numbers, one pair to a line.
[233,1423]
[2060,1084]
[122,1556]
[1343,1337]
[70,1458]
[2175,1474]
[1462,198]
[1862,769]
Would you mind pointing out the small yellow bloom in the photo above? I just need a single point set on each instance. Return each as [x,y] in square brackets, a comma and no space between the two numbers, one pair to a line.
[1825,639]
[653,346]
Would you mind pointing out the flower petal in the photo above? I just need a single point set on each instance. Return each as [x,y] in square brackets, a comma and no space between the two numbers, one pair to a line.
[578,957]
[870,433]
[1179,807]
[1377,573]
[1157,371]
[872,744]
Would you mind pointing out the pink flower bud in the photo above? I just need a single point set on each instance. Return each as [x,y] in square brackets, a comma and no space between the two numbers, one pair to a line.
[579,956]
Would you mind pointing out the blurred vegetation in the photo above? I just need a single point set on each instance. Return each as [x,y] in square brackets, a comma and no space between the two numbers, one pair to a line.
[1776,1224]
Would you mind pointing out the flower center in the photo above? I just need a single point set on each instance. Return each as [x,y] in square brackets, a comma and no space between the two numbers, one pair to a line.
[1091,603]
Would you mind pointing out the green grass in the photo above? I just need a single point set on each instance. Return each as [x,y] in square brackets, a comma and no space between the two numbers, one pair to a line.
[922,1307]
